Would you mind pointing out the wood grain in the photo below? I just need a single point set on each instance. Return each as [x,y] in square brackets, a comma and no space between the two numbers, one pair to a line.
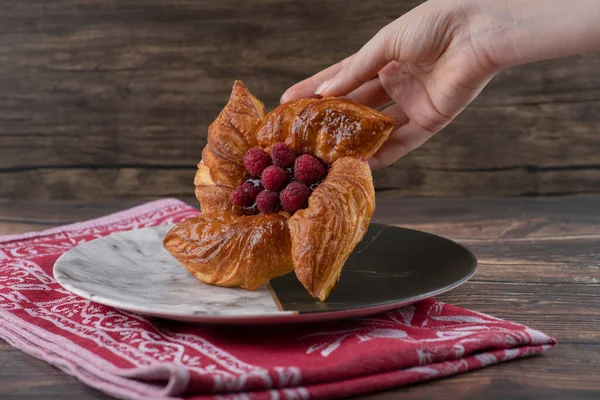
[13,228]
[479,219]
[24,377]
[105,99]
[541,377]
[569,312]
[537,267]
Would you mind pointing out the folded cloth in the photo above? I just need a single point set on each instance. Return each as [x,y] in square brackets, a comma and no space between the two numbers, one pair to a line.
[134,357]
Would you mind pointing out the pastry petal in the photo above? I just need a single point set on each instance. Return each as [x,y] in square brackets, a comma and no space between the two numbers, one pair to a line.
[232,250]
[277,125]
[332,128]
[324,234]
[229,137]
[329,128]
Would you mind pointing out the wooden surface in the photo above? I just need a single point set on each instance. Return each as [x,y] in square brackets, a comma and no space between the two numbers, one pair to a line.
[111,98]
[538,265]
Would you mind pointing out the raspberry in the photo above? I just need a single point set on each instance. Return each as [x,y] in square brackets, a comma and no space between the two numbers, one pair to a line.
[267,202]
[308,169]
[274,178]
[252,188]
[283,156]
[256,160]
[240,197]
[294,197]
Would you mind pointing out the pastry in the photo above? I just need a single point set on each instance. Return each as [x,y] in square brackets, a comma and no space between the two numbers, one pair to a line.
[230,250]
[288,190]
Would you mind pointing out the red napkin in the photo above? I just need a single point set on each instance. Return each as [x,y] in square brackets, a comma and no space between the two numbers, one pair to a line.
[133,357]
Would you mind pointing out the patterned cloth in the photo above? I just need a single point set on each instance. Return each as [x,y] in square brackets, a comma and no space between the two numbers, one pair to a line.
[133,357]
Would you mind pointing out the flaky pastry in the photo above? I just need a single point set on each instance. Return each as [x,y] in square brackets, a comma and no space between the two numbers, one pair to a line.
[311,225]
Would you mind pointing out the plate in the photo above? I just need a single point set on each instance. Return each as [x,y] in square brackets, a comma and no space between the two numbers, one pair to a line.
[389,268]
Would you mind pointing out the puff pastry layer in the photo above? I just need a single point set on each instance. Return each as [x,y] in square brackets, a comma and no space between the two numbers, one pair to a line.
[224,247]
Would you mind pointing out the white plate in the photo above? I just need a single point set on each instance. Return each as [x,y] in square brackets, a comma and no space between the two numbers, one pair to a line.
[390,268]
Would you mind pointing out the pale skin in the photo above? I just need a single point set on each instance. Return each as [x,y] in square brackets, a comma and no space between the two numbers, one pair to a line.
[425,67]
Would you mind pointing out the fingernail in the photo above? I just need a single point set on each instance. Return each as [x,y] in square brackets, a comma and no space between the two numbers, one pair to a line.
[323,87]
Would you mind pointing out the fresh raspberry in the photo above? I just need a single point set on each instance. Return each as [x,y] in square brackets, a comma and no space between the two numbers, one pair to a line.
[267,202]
[240,197]
[283,156]
[308,169]
[256,160]
[274,178]
[294,197]
[252,188]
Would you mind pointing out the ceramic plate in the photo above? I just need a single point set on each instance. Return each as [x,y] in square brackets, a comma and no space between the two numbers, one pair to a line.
[390,268]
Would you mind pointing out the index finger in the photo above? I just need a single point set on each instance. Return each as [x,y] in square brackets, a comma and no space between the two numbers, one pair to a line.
[307,87]
[363,66]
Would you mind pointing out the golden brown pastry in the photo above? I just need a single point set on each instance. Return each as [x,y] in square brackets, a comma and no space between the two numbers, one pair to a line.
[302,168]
[232,250]
[338,215]
[229,137]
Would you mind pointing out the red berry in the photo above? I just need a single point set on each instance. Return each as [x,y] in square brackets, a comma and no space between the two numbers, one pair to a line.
[274,178]
[240,197]
[256,160]
[267,202]
[283,156]
[294,197]
[308,169]
[251,189]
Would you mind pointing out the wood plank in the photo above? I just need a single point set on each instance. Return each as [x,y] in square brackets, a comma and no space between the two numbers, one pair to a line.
[493,218]
[536,272]
[539,377]
[24,377]
[13,228]
[459,218]
[108,182]
[533,138]
[568,312]
[97,183]
[65,212]
[105,93]
[152,77]
[504,230]
[564,80]
[502,141]
[566,261]
[407,180]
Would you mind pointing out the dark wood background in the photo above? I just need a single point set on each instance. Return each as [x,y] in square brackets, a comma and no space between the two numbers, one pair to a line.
[112,98]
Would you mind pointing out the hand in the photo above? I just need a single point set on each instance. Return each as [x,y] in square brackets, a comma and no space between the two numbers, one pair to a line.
[425,62]
[433,61]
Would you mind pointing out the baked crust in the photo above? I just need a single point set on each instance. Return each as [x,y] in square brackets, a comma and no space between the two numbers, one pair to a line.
[224,247]
[232,250]
[338,215]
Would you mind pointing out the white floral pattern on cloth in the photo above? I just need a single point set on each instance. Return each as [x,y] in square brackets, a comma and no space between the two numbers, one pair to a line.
[133,357]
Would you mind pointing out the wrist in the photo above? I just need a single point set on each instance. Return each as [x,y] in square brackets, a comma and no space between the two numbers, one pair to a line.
[514,32]
[489,30]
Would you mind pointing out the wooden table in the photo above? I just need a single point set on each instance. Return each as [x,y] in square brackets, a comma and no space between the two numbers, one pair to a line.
[539,264]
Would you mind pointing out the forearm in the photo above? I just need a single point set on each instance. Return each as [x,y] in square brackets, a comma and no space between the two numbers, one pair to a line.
[514,32]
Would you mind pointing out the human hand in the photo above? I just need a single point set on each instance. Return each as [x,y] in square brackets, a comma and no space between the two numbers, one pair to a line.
[424,62]
[433,61]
